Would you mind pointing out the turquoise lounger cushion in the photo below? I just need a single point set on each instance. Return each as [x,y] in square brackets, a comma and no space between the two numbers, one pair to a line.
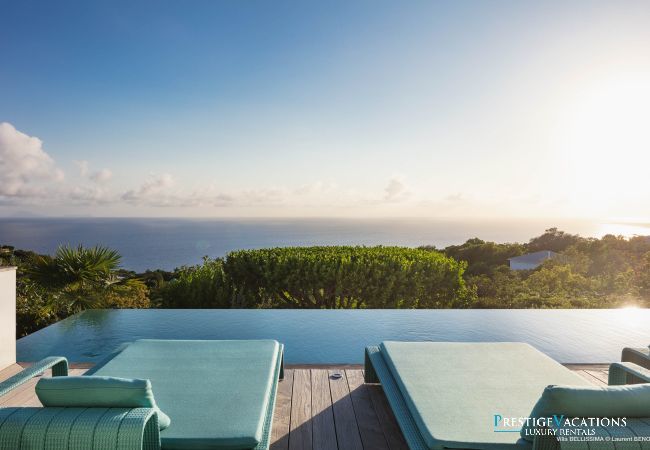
[590,401]
[217,393]
[106,392]
[454,390]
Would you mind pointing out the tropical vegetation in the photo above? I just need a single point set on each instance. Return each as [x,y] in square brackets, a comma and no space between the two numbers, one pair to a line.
[50,288]
[612,271]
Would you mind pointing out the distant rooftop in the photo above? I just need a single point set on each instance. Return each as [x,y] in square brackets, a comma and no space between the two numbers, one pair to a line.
[531,261]
[534,258]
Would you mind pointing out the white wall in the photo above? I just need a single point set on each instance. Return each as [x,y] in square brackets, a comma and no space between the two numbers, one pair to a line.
[7,316]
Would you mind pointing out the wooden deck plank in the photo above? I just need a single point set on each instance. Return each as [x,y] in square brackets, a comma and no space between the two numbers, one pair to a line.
[595,377]
[575,366]
[324,432]
[71,365]
[600,376]
[584,375]
[389,424]
[345,422]
[370,430]
[10,371]
[24,394]
[282,413]
[324,366]
[300,437]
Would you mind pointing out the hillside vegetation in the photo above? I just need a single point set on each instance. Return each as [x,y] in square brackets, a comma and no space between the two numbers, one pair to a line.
[321,277]
[592,273]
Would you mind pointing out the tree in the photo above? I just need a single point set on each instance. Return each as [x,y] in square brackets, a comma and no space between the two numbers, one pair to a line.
[554,240]
[483,258]
[81,278]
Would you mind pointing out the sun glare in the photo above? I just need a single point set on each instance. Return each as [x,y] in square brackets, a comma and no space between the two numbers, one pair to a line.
[605,143]
[624,229]
[629,315]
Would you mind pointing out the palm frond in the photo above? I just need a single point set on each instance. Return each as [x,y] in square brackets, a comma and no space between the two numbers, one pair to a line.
[75,267]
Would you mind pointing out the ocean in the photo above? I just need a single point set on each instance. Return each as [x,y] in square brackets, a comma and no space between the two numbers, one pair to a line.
[169,243]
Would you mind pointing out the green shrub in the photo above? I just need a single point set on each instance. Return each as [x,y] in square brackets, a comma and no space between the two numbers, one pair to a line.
[345,277]
[201,286]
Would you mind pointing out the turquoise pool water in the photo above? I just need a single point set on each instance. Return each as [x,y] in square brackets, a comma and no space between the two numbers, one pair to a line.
[338,336]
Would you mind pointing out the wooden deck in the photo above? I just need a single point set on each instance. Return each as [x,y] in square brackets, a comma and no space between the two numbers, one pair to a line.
[317,408]
[315,411]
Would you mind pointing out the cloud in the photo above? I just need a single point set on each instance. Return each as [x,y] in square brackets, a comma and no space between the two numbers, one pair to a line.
[101,176]
[317,189]
[221,200]
[263,197]
[28,175]
[396,190]
[157,191]
[163,191]
[455,198]
[89,195]
[84,168]
[152,189]
[25,168]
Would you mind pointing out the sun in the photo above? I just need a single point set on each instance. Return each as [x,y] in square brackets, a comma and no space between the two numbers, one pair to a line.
[604,144]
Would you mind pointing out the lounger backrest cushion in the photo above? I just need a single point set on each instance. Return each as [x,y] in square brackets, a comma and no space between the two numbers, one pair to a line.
[93,391]
[586,401]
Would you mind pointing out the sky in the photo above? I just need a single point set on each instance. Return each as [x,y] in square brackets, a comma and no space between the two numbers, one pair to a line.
[325,109]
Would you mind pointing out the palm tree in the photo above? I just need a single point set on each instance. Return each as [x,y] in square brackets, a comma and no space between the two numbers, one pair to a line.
[80,277]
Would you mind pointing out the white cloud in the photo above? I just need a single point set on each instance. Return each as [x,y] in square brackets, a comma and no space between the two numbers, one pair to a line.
[101,176]
[25,168]
[152,189]
[29,176]
[89,195]
[396,190]
[162,191]
[318,189]
[267,196]
[84,168]
[221,200]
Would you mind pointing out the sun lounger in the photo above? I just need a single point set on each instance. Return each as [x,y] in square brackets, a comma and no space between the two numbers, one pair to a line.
[218,395]
[451,395]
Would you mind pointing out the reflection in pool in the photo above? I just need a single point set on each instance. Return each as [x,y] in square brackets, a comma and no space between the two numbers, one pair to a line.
[339,336]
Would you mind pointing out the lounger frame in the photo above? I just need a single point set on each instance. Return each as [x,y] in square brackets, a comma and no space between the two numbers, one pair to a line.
[638,356]
[268,421]
[376,371]
[36,428]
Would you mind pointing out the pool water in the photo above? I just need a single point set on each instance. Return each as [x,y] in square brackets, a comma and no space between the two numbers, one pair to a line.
[339,336]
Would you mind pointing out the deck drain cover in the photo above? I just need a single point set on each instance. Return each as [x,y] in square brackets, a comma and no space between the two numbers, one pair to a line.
[335,376]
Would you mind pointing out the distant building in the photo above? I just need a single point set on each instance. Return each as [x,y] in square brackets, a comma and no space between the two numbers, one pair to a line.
[531,261]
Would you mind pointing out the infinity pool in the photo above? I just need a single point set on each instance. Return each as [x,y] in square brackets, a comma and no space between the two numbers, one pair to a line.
[339,336]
